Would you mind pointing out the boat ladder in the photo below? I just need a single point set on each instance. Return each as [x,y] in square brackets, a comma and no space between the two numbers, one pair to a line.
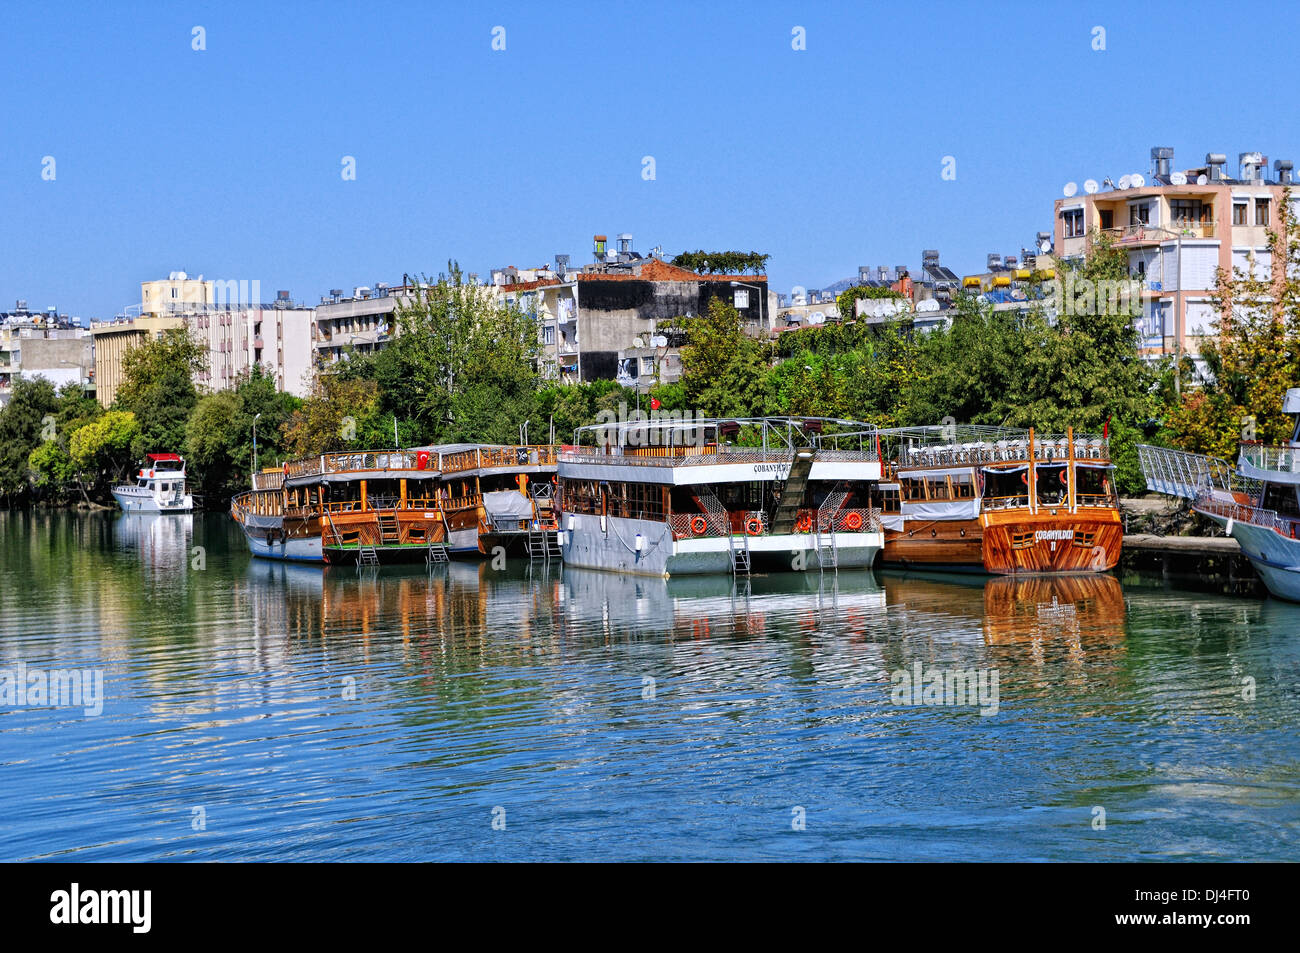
[828,553]
[389,533]
[436,554]
[739,553]
[367,555]
[542,544]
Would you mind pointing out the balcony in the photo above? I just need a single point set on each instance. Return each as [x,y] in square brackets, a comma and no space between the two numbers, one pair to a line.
[1130,235]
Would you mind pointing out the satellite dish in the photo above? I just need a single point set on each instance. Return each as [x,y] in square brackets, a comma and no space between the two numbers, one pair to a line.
[1124,181]
[1177,178]
[1201,179]
[1070,189]
[1090,186]
[1045,247]
[1137,181]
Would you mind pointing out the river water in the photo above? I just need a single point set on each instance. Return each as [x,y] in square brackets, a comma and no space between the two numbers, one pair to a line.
[254,710]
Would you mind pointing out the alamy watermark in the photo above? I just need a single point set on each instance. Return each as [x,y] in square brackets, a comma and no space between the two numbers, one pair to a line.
[652,428]
[947,687]
[24,687]
[1084,296]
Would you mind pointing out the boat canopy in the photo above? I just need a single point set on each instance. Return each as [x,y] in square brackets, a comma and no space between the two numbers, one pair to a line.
[507,504]
[164,457]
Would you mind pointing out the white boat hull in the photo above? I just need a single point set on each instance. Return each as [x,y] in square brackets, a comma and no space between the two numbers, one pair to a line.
[612,547]
[273,545]
[135,500]
[1275,557]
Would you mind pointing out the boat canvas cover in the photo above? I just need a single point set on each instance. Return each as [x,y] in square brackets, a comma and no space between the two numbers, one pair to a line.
[507,505]
[941,510]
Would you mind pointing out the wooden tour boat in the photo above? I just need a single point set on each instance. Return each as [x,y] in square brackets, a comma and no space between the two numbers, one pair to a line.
[998,500]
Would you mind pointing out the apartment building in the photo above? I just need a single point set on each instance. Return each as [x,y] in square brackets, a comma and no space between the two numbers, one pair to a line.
[276,337]
[362,323]
[1178,227]
[611,320]
[227,318]
[49,345]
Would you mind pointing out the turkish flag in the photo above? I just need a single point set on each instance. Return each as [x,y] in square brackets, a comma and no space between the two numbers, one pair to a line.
[654,403]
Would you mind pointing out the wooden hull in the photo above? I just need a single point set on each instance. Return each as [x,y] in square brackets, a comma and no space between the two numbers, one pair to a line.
[1011,542]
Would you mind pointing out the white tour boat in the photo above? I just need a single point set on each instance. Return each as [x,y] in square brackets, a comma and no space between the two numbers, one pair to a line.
[663,497]
[159,487]
[1257,503]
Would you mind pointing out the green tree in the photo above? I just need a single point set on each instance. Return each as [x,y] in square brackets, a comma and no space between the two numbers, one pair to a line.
[1251,358]
[462,366]
[24,423]
[340,414]
[158,387]
[103,452]
[722,367]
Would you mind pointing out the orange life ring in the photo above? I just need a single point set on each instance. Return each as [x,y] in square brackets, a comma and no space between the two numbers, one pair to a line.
[853,521]
[286,468]
[804,524]
[753,526]
[699,525]
[1024,478]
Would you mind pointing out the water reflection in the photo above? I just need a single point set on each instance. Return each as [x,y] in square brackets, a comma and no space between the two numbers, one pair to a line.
[322,713]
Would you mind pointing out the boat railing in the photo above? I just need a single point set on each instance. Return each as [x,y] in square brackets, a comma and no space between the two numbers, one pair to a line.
[1015,501]
[692,456]
[360,462]
[1245,513]
[503,457]
[705,525]
[1107,500]
[269,479]
[1272,459]
[1047,450]
[856,520]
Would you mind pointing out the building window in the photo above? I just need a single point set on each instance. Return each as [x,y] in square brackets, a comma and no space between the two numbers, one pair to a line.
[1239,216]
[1187,211]
[1261,211]
[1073,222]
[742,298]
[1139,214]
[1107,219]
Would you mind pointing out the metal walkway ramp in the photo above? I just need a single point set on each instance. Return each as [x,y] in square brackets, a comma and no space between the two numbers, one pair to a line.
[1178,473]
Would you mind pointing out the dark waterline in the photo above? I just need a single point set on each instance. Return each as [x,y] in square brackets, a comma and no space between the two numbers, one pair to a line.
[522,694]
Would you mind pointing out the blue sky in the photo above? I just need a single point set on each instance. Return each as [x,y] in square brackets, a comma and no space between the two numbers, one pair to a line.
[227,161]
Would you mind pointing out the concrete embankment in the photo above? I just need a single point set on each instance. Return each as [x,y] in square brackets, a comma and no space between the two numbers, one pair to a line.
[1215,563]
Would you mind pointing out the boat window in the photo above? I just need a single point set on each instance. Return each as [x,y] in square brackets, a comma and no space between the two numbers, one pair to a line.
[938,488]
[1093,486]
[963,486]
[164,487]
[913,489]
[1281,498]
[1006,488]
[889,502]
[1051,485]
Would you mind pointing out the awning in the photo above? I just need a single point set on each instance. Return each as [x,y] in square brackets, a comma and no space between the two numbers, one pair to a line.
[507,504]
[1020,469]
